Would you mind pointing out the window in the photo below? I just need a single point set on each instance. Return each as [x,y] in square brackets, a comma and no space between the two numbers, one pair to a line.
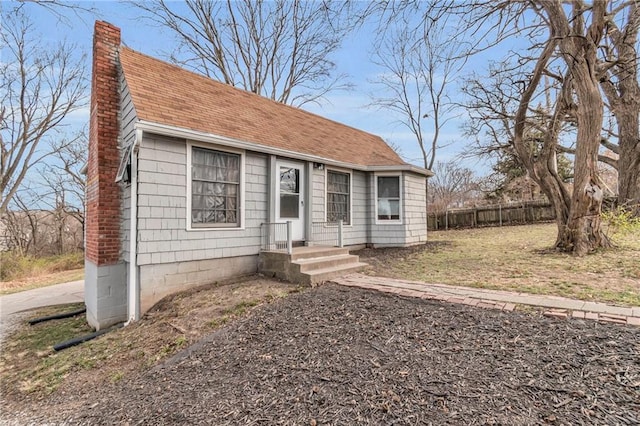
[388,197]
[215,188]
[289,192]
[338,197]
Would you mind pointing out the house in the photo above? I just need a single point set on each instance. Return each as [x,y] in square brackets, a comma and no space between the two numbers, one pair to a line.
[189,180]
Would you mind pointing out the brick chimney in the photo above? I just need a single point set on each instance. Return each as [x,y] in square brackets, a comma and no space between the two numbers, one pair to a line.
[105,284]
[102,245]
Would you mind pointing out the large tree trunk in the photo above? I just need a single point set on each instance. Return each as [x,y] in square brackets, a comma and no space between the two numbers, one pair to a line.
[629,161]
[542,168]
[578,45]
[583,232]
[621,87]
[627,112]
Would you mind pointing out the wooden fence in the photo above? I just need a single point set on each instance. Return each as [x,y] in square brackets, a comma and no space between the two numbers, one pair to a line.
[497,215]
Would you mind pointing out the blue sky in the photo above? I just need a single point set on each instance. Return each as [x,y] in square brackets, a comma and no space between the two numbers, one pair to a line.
[354,59]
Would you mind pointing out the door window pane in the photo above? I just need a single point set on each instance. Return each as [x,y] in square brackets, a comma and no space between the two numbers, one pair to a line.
[289,192]
[289,206]
[289,180]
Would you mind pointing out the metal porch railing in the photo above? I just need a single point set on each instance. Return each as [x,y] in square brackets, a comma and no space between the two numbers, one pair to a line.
[327,234]
[278,236]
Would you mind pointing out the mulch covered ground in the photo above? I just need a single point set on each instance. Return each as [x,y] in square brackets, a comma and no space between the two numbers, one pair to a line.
[336,355]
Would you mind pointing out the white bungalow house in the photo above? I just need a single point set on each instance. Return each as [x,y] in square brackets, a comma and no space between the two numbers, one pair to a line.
[189,180]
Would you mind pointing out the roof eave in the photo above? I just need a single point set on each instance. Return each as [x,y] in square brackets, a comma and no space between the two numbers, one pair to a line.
[404,167]
[179,132]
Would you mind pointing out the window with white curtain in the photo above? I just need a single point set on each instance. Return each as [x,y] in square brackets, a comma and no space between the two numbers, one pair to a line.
[388,198]
[338,197]
[215,188]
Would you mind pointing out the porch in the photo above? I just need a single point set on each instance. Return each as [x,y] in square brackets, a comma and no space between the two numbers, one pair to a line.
[321,258]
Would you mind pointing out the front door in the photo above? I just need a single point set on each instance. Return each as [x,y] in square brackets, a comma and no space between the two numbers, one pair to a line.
[290,196]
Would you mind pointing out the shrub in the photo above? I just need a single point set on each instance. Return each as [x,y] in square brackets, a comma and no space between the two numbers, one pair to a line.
[621,221]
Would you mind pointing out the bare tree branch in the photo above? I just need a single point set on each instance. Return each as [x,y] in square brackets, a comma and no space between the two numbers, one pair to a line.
[420,64]
[42,88]
[452,184]
[279,49]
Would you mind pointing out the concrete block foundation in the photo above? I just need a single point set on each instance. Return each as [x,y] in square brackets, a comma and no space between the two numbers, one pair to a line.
[160,280]
[105,294]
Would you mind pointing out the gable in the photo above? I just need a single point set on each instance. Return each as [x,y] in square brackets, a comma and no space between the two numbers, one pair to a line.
[166,94]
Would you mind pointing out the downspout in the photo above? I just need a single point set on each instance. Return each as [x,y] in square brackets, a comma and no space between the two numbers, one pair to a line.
[133,284]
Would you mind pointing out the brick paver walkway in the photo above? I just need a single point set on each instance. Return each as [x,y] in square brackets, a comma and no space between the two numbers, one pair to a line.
[555,306]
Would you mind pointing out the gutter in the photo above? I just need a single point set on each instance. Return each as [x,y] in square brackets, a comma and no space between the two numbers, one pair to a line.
[133,285]
[182,133]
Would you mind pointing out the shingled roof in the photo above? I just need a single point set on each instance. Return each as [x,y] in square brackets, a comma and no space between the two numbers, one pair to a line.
[166,94]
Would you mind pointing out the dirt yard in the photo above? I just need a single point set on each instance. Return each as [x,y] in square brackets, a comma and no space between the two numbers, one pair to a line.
[335,355]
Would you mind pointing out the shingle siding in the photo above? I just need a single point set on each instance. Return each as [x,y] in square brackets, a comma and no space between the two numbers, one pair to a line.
[127,131]
[128,116]
[318,197]
[415,213]
[162,226]
[357,233]
[413,229]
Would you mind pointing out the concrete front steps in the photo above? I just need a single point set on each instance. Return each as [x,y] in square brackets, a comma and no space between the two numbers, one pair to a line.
[309,265]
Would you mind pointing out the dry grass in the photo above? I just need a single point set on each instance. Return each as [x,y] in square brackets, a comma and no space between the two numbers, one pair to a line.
[42,280]
[520,258]
[30,369]
[18,273]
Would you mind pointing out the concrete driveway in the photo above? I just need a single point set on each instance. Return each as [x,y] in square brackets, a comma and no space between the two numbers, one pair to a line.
[58,294]
[13,307]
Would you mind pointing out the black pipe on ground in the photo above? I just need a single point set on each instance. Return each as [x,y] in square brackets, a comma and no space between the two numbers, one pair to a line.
[76,341]
[58,316]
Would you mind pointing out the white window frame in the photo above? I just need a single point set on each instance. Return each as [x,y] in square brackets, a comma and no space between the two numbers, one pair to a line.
[326,197]
[401,201]
[242,189]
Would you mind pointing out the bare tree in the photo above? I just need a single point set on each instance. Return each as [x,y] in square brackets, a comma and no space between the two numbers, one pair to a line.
[65,179]
[568,36]
[40,89]
[279,49]
[420,66]
[21,227]
[492,102]
[618,72]
[55,7]
[451,185]
[32,231]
